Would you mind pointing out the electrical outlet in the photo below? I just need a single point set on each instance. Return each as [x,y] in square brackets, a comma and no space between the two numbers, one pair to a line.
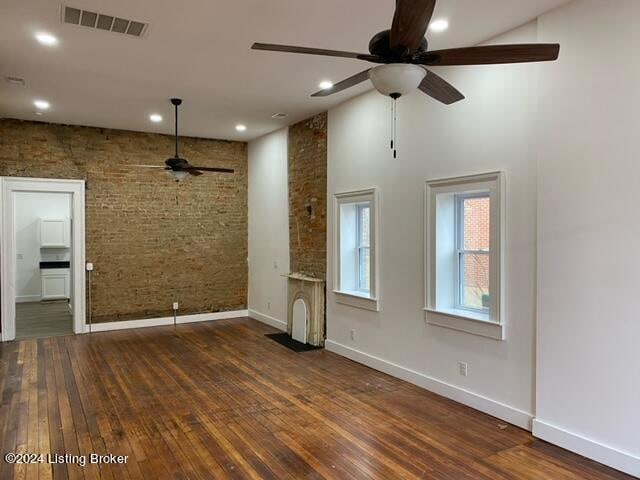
[463,368]
[89,267]
[275,264]
[176,305]
[352,335]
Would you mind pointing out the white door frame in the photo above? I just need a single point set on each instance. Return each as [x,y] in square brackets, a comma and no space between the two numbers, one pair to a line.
[10,185]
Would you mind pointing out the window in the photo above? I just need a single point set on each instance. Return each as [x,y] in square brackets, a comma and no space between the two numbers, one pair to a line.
[363,215]
[464,230]
[355,249]
[473,250]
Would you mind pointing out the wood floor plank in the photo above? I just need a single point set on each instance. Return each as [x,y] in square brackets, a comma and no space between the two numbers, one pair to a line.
[219,400]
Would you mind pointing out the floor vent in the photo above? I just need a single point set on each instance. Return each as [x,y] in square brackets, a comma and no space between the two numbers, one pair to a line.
[101,21]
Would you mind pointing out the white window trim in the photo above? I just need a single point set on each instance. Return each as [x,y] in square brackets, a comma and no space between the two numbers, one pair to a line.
[348,297]
[476,323]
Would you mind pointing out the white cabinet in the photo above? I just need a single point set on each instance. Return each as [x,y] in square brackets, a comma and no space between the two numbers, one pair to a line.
[54,233]
[55,283]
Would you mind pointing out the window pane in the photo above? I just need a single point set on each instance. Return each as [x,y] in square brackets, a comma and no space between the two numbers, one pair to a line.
[364,275]
[476,223]
[363,226]
[364,232]
[475,286]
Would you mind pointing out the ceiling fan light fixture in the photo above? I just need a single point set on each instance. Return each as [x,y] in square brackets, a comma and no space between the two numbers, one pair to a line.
[396,79]
[178,175]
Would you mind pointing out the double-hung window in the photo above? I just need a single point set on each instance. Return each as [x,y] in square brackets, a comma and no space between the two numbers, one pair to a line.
[355,265]
[473,248]
[363,217]
[464,238]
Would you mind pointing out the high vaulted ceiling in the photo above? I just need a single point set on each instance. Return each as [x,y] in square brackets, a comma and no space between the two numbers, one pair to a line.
[200,50]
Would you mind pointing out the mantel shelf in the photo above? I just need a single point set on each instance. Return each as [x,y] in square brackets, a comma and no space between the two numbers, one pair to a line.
[298,276]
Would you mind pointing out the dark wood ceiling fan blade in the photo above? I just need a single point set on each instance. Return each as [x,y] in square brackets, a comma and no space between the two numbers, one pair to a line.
[210,169]
[150,166]
[344,84]
[315,51]
[492,54]
[193,171]
[410,22]
[438,88]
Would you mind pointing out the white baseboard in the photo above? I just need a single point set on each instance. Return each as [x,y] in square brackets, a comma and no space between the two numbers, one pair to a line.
[274,322]
[479,402]
[623,461]
[28,298]
[157,322]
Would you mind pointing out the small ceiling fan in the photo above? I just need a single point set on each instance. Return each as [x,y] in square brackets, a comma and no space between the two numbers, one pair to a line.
[180,167]
[403,55]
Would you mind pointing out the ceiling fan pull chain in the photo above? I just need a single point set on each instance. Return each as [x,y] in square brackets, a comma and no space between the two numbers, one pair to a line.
[392,107]
[395,128]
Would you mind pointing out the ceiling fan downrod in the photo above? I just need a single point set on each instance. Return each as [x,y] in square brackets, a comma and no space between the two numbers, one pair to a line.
[176,103]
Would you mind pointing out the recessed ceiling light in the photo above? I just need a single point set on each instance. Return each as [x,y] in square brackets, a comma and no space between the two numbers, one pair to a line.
[241,128]
[439,25]
[37,113]
[325,85]
[46,39]
[155,117]
[279,115]
[41,104]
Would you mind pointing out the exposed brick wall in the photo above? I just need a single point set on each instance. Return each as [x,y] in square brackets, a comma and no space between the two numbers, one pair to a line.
[308,189]
[153,241]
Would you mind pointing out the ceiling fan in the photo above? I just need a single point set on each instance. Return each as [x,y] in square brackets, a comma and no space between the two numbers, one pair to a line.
[403,54]
[180,167]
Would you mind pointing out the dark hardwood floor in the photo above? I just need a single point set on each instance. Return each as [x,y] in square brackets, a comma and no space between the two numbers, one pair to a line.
[219,400]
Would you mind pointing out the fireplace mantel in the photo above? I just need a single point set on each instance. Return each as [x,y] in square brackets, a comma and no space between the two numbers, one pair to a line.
[311,291]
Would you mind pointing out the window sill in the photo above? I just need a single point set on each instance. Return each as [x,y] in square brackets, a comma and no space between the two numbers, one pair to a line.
[465,321]
[358,300]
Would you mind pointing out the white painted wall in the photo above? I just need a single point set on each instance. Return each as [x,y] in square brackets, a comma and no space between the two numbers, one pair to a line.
[588,362]
[494,129]
[268,228]
[30,207]
[566,136]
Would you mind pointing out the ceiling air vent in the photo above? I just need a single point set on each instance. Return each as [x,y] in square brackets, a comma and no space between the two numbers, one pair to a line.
[101,21]
[15,81]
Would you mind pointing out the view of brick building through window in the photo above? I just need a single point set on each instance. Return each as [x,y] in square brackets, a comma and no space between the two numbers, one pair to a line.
[364,248]
[476,241]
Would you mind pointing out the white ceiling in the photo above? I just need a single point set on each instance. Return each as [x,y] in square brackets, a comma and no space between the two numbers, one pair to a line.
[199,50]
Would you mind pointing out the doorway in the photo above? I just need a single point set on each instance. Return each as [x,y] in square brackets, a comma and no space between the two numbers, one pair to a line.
[42,257]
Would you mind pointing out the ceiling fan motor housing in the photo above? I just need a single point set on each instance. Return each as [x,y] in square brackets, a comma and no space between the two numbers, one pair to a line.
[380,45]
[176,163]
